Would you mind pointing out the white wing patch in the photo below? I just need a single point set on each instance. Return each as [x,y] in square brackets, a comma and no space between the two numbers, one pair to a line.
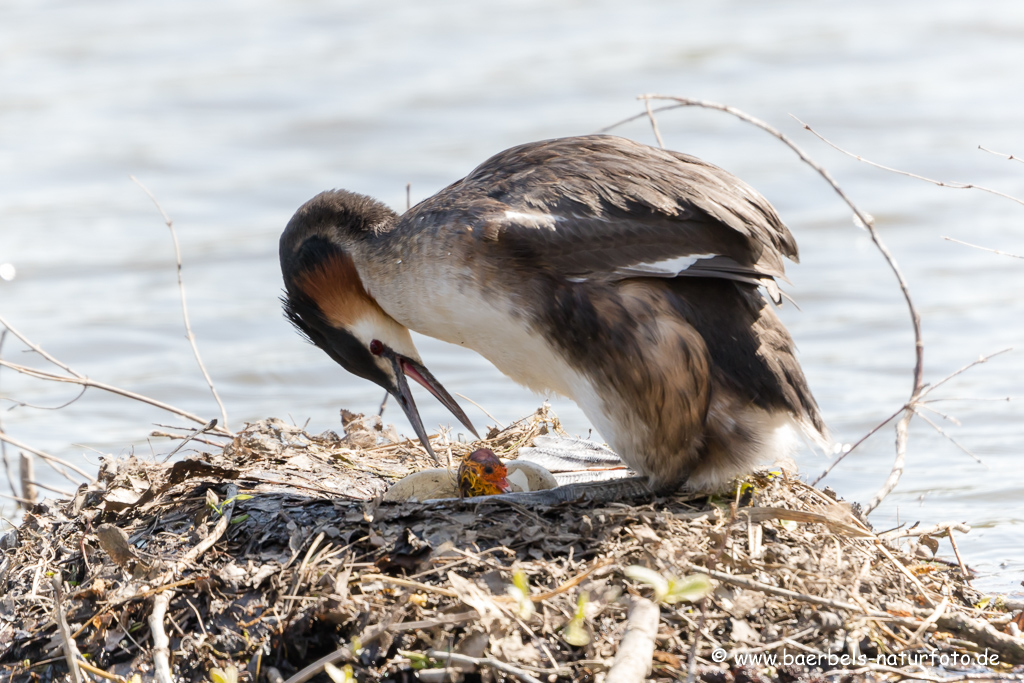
[672,266]
[533,220]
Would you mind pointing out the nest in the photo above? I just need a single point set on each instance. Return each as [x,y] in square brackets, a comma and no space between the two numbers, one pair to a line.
[273,556]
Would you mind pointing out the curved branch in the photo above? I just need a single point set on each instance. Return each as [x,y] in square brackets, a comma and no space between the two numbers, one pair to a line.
[22,404]
[868,222]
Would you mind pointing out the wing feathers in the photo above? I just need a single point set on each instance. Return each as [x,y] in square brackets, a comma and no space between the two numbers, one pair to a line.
[606,207]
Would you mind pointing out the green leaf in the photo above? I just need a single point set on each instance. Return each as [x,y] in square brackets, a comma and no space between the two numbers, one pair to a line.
[670,589]
[652,578]
[692,588]
[418,660]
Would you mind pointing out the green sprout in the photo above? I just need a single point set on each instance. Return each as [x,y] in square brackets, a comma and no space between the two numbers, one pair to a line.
[342,675]
[219,509]
[418,660]
[520,590]
[228,675]
[575,632]
[668,588]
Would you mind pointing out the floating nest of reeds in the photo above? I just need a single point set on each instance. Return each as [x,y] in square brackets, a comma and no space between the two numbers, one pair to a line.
[274,557]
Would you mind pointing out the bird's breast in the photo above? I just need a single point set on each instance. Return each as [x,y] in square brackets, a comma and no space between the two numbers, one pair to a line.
[459,305]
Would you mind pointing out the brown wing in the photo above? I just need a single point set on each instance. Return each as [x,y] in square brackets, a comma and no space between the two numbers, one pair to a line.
[603,207]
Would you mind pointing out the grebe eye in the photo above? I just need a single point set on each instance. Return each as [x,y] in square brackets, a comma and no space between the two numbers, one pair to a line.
[376,348]
[489,469]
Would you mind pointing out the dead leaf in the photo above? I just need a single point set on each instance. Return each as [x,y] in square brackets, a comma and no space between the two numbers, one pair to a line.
[472,595]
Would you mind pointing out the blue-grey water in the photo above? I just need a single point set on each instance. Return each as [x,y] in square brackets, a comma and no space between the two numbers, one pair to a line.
[234,113]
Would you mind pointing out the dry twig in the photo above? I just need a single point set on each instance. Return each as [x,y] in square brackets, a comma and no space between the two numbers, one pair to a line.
[70,649]
[633,658]
[960,560]
[343,653]
[654,122]
[975,246]
[161,644]
[1010,157]
[484,661]
[52,460]
[26,468]
[184,306]
[86,382]
[940,183]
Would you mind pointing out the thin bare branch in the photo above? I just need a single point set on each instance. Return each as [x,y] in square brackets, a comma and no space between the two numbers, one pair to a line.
[17,499]
[927,623]
[3,444]
[161,643]
[983,359]
[22,404]
[868,223]
[950,438]
[504,667]
[947,399]
[630,119]
[26,468]
[482,409]
[35,347]
[960,560]
[654,123]
[184,305]
[842,456]
[1011,157]
[902,433]
[940,183]
[60,492]
[85,381]
[71,653]
[205,428]
[945,416]
[52,460]
[636,649]
[975,246]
